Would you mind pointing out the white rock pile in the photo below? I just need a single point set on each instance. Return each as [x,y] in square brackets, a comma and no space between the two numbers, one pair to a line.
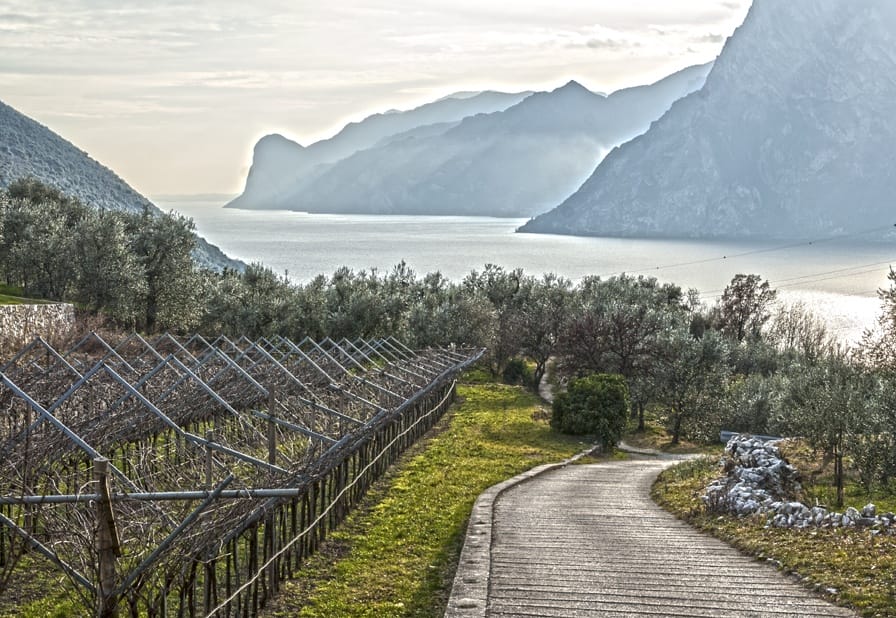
[758,480]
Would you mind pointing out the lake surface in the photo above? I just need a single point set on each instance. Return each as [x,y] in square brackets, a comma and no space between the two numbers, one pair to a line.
[838,279]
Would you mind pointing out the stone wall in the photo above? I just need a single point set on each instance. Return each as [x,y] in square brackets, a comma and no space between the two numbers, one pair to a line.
[19,324]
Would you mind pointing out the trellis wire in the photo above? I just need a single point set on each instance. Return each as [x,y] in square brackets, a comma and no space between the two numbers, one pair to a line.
[332,504]
[196,413]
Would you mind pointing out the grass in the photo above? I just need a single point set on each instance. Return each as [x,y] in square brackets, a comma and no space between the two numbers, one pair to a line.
[819,482]
[11,295]
[10,300]
[852,567]
[654,436]
[38,590]
[396,555]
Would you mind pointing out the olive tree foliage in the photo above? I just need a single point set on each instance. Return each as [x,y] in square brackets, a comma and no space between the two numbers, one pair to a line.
[365,304]
[255,303]
[135,269]
[423,312]
[501,290]
[110,277]
[872,448]
[874,452]
[174,286]
[446,313]
[593,405]
[751,404]
[745,306]
[618,328]
[544,312]
[38,240]
[753,356]
[878,348]
[827,404]
[795,331]
[689,379]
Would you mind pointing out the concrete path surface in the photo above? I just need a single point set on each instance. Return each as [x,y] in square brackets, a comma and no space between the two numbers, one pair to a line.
[588,541]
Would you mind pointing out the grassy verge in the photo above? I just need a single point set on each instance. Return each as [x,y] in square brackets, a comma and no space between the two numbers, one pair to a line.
[396,555]
[10,300]
[850,567]
[654,436]
[10,295]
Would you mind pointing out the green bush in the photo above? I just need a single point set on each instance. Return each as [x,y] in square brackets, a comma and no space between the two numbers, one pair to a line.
[517,373]
[595,405]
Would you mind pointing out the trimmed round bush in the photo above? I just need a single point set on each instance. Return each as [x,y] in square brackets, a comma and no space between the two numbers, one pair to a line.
[517,373]
[596,405]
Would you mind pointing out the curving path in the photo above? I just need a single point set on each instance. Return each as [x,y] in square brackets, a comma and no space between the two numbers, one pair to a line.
[588,541]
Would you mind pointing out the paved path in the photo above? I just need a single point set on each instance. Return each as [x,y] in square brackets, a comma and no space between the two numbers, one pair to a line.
[588,541]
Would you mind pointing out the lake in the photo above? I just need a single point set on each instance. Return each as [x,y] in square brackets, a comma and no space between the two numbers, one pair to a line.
[838,279]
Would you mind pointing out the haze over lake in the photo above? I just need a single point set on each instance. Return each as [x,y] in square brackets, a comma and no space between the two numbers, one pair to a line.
[836,278]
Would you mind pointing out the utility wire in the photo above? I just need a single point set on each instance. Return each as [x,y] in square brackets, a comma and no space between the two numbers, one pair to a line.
[807,243]
[863,269]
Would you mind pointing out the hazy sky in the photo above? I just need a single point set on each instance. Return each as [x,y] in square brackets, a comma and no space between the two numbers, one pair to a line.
[172,95]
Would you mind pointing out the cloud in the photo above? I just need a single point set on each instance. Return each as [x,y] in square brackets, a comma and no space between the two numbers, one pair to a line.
[711,38]
[18,18]
[198,77]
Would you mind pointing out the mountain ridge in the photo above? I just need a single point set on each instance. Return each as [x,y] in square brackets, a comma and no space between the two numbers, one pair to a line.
[510,163]
[31,149]
[272,174]
[784,135]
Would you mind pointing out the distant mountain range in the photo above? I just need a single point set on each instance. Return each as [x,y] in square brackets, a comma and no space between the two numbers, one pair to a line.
[517,161]
[278,163]
[791,137]
[28,148]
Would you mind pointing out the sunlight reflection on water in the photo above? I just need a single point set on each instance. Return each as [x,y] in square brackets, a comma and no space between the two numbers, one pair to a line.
[837,279]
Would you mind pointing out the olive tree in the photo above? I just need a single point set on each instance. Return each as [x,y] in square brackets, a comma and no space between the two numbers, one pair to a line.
[502,291]
[796,331]
[110,278]
[618,329]
[745,306]
[826,403]
[38,244]
[543,315]
[690,377]
[878,347]
[163,245]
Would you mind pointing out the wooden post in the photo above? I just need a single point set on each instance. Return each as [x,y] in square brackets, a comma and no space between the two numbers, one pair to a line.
[270,520]
[272,428]
[108,546]
[209,469]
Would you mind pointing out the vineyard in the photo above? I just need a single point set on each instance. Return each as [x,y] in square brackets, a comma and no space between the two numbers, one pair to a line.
[188,477]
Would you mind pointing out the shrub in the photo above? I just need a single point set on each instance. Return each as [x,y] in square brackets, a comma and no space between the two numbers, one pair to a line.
[517,373]
[595,405]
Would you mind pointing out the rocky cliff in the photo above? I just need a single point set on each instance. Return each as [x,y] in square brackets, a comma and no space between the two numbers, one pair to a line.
[791,137]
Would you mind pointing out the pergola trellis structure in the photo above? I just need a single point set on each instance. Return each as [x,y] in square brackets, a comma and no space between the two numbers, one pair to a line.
[190,476]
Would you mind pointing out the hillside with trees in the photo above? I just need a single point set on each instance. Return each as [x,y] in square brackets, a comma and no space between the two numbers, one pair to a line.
[30,150]
[746,363]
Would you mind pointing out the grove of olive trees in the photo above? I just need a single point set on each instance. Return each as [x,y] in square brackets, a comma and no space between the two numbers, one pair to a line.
[746,363]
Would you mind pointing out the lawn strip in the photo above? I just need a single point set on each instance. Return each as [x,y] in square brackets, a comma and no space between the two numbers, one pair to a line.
[396,555]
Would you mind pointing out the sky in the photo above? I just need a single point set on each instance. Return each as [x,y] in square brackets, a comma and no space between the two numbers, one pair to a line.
[172,95]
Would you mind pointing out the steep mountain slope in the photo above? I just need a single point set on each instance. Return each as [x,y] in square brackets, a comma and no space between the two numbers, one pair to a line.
[28,148]
[279,163]
[513,163]
[791,137]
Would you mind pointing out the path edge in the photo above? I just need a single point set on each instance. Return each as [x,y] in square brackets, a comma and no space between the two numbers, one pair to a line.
[469,592]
